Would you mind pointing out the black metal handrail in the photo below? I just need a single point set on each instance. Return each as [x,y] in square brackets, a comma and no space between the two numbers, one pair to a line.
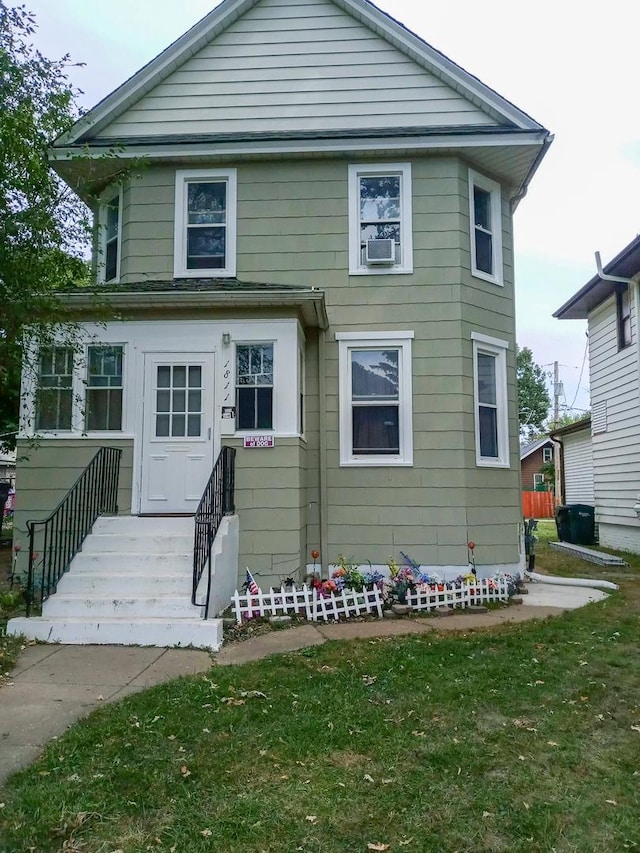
[94,493]
[217,501]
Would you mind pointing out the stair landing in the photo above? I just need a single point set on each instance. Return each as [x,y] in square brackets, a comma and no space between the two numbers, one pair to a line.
[130,585]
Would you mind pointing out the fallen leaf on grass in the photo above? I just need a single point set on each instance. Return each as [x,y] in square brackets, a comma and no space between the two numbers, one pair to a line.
[405,842]
[184,771]
[312,818]
[487,814]
[230,700]
[611,802]
[206,832]
[635,728]
[552,743]
[376,845]
[253,694]
[367,778]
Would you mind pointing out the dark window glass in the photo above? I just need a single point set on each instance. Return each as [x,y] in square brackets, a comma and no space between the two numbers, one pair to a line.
[488,432]
[254,386]
[623,310]
[112,228]
[376,430]
[483,230]
[206,225]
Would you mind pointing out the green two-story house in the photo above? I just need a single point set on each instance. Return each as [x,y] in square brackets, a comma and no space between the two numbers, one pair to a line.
[310,259]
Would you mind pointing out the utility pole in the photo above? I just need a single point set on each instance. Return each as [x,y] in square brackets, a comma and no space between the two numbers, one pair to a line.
[556,395]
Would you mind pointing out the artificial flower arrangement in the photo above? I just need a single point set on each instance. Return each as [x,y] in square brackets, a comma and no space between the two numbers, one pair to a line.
[349,576]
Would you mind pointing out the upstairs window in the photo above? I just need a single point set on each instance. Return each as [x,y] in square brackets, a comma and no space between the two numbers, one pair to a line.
[254,386]
[104,388]
[205,226]
[623,314]
[486,234]
[547,454]
[109,242]
[380,228]
[54,393]
[490,394]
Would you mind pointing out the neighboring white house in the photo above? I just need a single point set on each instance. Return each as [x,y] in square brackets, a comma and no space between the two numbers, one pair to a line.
[610,302]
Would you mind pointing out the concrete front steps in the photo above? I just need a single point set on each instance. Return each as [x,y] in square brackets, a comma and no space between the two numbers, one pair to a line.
[130,585]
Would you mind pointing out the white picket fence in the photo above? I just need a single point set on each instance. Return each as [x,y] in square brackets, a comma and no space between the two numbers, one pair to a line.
[481,592]
[308,601]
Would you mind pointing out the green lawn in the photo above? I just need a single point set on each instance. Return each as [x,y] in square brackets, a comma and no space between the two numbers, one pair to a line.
[524,738]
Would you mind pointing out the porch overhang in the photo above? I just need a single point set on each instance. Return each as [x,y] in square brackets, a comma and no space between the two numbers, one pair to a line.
[210,294]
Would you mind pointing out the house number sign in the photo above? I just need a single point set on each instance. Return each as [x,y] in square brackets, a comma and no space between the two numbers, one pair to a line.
[259,441]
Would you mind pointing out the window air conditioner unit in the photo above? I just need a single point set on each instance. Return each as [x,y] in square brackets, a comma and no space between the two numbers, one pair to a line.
[380,252]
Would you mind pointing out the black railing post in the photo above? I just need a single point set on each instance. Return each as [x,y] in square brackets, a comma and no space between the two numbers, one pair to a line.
[65,529]
[228,474]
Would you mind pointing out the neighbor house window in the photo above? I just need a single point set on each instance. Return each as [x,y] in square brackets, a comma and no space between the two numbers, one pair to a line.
[547,454]
[623,312]
[205,223]
[380,229]
[104,388]
[254,386]
[54,393]
[490,395]
[486,235]
[538,480]
[109,238]
[375,398]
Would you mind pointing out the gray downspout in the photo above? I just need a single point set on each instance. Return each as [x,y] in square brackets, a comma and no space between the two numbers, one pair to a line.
[322,409]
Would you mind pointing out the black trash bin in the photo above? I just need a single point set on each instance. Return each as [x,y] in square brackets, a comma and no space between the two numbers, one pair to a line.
[576,524]
[582,524]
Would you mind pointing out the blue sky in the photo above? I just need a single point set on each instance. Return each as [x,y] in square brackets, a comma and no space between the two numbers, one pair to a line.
[570,65]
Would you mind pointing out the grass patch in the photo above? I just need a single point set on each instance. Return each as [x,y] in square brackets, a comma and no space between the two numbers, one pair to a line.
[523,738]
[11,604]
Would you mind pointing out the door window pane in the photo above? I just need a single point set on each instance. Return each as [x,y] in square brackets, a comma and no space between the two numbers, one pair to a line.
[178,411]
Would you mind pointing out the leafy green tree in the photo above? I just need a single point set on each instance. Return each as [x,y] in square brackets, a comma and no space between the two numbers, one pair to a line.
[533,398]
[44,227]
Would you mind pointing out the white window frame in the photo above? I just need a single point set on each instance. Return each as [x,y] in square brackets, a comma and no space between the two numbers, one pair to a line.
[538,480]
[486,345]
[547,455]
[493,188]
[363,170]
[101,265]
[256,343]
[349,341]
[183,178]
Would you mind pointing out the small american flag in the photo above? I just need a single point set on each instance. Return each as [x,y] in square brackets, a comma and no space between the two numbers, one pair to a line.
[252,586]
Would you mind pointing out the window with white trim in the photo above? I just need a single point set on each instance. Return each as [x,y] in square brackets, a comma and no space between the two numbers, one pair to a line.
[109,240]
[205,226]
[490,401]
[254,386]
[380,227]
[375,398]
[54,391]
[547,454]
[103,401]
[486,227]
[538,480]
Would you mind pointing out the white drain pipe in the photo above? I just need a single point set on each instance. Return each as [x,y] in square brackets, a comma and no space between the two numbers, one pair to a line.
[534,576]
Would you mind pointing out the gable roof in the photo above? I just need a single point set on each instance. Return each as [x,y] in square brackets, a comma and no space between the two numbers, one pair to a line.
[528,449]
[626,264]
[496,110]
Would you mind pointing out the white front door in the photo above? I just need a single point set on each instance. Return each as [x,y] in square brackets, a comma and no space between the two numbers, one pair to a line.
[177,450]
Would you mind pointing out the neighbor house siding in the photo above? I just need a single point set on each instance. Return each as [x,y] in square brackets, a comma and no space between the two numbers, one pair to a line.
[529,466]
[313,68]
[616,450]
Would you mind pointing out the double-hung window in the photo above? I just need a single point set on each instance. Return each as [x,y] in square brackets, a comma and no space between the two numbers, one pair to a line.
[205,223]
[103,404]
[547,455]
[254,386]
[486,228]
[375,398]
[380,229]
[490,400]
[54,391]
[623,315]
[110,222]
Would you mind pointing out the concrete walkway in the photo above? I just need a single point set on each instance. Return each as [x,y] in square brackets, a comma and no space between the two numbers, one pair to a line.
[53,686]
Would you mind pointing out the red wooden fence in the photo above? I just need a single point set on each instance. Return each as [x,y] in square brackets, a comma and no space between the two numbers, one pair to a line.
[537,504]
